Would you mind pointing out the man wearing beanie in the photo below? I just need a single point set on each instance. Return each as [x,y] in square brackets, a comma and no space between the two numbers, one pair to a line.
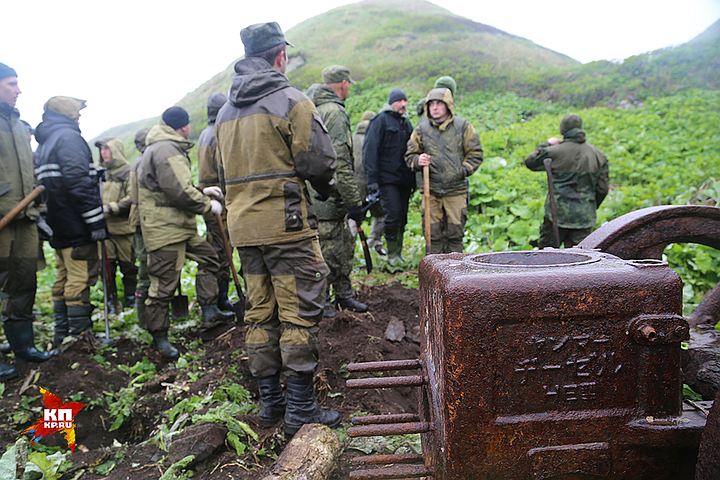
[19,239]
[580,180]
[271,141]
[450,147]
[167,203]
[65,167]
[335,238]
[210,175]
[384,158]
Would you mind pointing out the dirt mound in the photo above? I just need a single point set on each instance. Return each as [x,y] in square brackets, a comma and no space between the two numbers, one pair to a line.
[107,379]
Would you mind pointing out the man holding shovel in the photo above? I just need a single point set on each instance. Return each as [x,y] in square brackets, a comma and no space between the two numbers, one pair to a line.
[168,202]
[450,147]
[578,174]
[19,238]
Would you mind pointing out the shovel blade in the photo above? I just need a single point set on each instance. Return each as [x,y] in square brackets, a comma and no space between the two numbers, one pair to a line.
[179,306]
[239,309]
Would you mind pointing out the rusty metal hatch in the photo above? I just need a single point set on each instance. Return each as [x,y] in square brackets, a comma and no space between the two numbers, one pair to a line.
[542,364]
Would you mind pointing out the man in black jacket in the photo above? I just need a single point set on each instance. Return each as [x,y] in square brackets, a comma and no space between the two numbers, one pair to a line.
[384,157]
[64,165]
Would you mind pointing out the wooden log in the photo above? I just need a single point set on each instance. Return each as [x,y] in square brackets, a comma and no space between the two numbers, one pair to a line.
[312,454]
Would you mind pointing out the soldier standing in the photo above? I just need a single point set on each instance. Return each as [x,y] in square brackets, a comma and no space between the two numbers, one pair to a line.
[450,146]
[580,180]
[335,238]
[384,158]
[65,167]
[19,239]
[271,141]
[116,207]
[209,176]
[168,203]
[143,281]
[376,211]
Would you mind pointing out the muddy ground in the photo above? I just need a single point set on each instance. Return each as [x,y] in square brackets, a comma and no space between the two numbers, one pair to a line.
[217,357]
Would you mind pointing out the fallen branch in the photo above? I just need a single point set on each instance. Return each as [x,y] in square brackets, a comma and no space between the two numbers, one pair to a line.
[311,455]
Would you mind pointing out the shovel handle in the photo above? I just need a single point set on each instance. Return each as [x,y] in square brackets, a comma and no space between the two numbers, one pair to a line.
[426,206]
[21,206]
[228,252]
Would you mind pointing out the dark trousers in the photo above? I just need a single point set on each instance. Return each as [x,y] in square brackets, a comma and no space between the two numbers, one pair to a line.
[395,200]
[18,257]
[569,237]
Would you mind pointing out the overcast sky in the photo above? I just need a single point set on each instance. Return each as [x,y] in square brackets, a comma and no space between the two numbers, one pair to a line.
[131,59]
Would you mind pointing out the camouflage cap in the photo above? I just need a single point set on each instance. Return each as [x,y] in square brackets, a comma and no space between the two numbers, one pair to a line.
[67,106]
[448,82]
[336,74]
[368,115]
[261,37]
[569,122]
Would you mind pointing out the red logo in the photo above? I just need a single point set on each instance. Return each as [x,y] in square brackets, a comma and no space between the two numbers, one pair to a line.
[58,417]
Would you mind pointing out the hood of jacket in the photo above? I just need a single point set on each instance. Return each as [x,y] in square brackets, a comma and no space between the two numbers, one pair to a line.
[576,135]
[52,122]
[320,94]
[442,94]
[254,79]
[118,154]
[159,133]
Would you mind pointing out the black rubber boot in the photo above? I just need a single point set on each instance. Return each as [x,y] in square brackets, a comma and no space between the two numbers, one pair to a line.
[329,310]
[352,305]
[302,407]
[163,346]
[223,303]
[79,320]
[213,316]
[272,400]
[60,320]
[7,372]
[21,337]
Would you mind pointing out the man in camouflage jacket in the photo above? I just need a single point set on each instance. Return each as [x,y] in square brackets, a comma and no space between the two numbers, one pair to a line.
[450,146]
[271,140]
[335,238]
[580,179]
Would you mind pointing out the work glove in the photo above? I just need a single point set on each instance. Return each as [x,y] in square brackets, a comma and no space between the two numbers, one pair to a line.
[356,214]
[373,189]
[213,192]
[99,234]
[216,207]
[352,226]
[44,230]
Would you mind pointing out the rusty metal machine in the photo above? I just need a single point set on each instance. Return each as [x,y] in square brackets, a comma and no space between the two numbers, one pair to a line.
[552,364]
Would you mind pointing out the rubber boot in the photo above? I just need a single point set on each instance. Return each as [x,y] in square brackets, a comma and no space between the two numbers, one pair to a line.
[163,346]
[223,303]
[7,372]
[351,304]
[272,400]
[79,318]
[112,289]
[21,337]
[395,261]
[140,296]
[302,407]
[129,288]
[329,310]
[60,320]
[213,316]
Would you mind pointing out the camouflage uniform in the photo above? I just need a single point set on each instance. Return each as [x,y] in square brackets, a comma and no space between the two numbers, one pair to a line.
[580,178]
[210,174]
[116,206]
[335,237]
[456,154]
[271,140]
[143,280]
[376,211]
[168,203]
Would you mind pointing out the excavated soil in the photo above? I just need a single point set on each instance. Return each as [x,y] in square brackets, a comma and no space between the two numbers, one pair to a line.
[350,337]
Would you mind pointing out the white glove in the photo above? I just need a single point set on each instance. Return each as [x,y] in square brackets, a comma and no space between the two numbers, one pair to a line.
[213,192]
[352,226]
[216,207]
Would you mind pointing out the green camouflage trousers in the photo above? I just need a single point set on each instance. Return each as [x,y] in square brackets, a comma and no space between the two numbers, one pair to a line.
[286,296]
[143,281]
[18,258]
[338,249]
[164,269]
[569,237]
[447,223]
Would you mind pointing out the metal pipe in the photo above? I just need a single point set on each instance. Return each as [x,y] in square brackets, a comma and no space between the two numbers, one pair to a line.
[386,382]
[399,471]
[389,429]
[388,459]
[384,366]
[385,419]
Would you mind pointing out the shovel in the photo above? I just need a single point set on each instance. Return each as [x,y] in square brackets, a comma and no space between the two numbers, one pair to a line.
[426,207]
[179,304]
[239,306]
